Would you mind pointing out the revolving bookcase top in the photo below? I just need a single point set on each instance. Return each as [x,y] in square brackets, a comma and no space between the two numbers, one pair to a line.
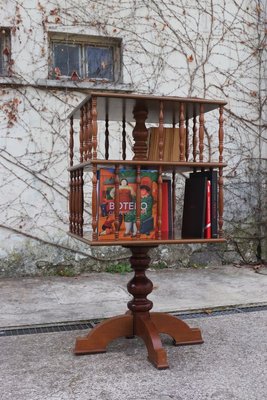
[169,138]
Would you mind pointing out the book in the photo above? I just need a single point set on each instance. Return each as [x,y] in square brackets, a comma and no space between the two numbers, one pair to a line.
[212,176]
[166,215]
[176,146]
[167,144]
[153,144]
[171,144]
[170,207]
[207,230]
[164,212]
[193,222]
[127,204]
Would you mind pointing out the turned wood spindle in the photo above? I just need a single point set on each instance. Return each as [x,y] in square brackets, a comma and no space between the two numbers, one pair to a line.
[71,143]
[187,145]
[182,131]
[140,132]
[90,130]
[94,202]
[94,127]
[173,127]
[173,201]
[117,201]
[80,202]
[76,202]
[221,134]
[86,132]
[81,134]
[194,136]
[201,132]
[75,192]
[123,134]
[138,201]
[106,135]
[140,286]
[161,140]
[159,202]
[71,203]
[221,199]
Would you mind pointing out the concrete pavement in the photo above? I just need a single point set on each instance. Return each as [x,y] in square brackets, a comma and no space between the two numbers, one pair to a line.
[230,365]
[28,301]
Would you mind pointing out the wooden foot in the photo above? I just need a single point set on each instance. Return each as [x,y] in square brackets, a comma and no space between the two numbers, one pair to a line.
[181,333]
[99,337]
[144,328]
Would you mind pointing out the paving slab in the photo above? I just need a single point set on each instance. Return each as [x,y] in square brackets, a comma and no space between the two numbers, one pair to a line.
[230,365]
[44,300]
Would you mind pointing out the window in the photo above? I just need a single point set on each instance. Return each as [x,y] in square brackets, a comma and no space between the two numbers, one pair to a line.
[85,57]
[4,51]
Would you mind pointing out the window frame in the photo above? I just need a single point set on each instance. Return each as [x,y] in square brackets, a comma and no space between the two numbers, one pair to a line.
[5,41]
[85,41]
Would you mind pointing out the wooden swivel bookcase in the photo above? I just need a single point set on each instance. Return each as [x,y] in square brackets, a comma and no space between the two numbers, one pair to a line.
[189,116]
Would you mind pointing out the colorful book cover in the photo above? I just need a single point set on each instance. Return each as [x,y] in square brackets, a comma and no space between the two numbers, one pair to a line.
[127,204]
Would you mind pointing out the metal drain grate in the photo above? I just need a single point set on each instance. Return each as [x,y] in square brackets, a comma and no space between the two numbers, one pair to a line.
[74,326]
[218,312]
[47,328]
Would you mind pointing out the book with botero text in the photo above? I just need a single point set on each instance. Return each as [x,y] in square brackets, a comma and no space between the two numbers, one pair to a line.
[127,204]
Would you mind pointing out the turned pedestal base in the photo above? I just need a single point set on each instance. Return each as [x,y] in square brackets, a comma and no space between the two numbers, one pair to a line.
[139,321]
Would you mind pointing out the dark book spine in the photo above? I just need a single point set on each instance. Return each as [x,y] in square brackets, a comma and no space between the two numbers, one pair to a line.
[214,204]
[208,212]
[170,209]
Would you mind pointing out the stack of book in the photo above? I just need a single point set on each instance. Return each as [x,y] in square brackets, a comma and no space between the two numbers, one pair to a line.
[200,206]
[199,211]
[127,193]
[171,144]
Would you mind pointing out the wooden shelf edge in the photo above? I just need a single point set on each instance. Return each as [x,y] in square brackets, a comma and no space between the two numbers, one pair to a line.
[136,242]
[171,164]
[145,96]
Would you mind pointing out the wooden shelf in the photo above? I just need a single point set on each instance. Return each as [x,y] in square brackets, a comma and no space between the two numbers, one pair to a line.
[142,242]
[119,105]
[168,165]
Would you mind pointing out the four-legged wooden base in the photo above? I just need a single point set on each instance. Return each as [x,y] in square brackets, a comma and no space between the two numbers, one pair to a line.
[139,321]
[148,326]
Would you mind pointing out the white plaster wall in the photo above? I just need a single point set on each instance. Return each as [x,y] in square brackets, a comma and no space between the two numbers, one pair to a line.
[206,50]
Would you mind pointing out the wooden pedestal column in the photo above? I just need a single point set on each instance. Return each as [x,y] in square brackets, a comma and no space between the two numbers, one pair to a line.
[138,321]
